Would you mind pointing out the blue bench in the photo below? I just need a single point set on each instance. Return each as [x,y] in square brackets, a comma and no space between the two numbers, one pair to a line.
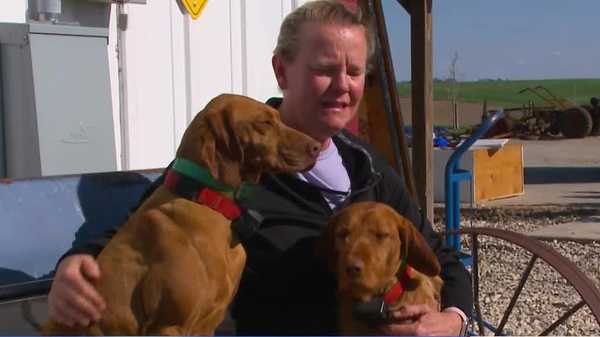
[41,218]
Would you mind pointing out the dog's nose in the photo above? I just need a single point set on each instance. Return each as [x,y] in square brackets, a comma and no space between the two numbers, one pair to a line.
[354,269]
[313,149]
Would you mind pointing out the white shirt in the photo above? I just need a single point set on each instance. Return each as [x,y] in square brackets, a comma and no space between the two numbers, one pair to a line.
[329,172]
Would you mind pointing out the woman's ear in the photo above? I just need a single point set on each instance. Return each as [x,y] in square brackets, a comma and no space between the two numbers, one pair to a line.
[279,68]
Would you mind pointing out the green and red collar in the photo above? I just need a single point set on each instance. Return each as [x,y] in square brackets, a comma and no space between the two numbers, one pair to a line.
[191,181]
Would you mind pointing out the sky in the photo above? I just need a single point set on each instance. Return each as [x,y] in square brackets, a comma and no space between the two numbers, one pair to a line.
[508,39]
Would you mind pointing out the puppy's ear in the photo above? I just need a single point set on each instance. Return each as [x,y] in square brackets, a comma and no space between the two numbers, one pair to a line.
[420,255]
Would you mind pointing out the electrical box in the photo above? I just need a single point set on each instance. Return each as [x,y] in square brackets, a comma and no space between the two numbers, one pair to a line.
[55,101]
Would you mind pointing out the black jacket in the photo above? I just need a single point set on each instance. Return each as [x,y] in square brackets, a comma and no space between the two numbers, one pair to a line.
[285,288]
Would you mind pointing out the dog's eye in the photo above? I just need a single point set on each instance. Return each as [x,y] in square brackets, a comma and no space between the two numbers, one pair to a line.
[263,126]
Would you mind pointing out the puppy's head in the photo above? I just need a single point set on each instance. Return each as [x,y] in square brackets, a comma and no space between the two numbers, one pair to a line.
[365,244]
[238,138]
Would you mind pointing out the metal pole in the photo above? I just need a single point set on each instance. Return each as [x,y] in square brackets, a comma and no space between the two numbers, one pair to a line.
[399,143]
[2,141]
[122,72]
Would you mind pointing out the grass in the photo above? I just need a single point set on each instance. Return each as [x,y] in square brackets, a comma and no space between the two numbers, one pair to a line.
[506,93]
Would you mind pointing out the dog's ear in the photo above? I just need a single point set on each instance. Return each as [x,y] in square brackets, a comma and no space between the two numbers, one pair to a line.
[221,123]
[216,125]
[208,153]
[420,255]
[198,144]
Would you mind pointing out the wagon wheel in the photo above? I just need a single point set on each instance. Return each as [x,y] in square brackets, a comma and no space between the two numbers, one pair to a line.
[575,122]
[595,114]
[527,261]
[595,122]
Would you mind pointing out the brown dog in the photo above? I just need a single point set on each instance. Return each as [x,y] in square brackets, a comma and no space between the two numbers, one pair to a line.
[175,265]
[381,262]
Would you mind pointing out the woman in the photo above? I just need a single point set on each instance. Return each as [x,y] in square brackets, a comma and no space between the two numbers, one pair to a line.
[320,64]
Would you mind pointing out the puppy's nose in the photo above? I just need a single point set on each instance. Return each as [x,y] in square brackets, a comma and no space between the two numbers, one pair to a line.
[313,149]
[354,269]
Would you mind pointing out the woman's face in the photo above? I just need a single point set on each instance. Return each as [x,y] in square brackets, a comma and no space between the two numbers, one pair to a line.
[322,87]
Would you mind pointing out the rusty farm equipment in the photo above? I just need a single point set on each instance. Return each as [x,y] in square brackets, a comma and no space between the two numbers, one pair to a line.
[554,116]
[594,110]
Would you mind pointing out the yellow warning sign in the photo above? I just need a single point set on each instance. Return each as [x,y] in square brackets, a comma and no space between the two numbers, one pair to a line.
[194,7]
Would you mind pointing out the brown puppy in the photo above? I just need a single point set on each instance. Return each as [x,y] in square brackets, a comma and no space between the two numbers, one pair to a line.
[378,256]
[175,265]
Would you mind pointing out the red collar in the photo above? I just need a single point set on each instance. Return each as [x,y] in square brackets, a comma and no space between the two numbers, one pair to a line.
[394,294]
[202,195]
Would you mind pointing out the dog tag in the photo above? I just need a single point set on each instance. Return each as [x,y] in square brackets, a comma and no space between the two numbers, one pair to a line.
[374,312]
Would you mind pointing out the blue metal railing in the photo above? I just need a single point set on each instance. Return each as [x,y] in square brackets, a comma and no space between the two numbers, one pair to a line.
[454,175]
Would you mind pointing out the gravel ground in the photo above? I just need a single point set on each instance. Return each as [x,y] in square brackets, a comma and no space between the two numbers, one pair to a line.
[546,295]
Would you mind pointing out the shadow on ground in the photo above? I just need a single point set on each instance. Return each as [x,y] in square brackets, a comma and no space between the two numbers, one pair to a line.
[561,213]
[560,175]
[585,195]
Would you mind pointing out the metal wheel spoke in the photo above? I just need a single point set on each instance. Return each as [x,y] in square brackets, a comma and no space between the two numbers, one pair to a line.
[481,244]
[563,318]
[476,282]
[516,294]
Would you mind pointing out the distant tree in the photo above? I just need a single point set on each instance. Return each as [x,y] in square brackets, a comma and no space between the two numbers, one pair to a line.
[453,88]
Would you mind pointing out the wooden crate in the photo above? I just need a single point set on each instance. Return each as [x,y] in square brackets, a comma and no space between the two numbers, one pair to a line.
[497,173]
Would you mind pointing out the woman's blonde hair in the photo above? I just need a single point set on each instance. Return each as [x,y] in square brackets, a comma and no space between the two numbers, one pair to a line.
[319,11]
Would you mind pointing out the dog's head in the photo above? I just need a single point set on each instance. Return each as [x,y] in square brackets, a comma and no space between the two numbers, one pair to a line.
[238,138]
[365,244]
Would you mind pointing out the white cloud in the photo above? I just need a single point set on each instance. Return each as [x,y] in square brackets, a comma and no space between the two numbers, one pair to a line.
[556,53]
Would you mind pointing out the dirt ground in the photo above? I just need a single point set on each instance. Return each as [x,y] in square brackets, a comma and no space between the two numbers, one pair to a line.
[468,113]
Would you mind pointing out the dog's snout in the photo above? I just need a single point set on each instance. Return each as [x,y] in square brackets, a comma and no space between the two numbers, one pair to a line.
[354,268]
[313,149]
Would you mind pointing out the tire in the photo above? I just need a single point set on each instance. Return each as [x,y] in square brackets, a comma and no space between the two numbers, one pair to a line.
[595,114]
[575,122]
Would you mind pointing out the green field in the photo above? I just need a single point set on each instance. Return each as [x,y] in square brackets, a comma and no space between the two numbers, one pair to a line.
[506,93]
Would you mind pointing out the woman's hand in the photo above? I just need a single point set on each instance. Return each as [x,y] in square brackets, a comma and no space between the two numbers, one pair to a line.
[72,298]
[422,320]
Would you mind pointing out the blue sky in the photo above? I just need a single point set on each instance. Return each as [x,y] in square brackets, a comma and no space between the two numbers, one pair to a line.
[510,39]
